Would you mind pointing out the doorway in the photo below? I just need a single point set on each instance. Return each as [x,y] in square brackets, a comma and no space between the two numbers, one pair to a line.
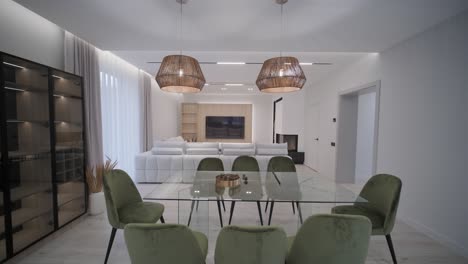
[357,135]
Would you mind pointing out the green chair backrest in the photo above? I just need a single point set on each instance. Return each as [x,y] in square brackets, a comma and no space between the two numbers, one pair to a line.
[281,164]
[331,239]
[245,163]
[250,245]
[162,244]
[210,164]
[119,191]
[382,192]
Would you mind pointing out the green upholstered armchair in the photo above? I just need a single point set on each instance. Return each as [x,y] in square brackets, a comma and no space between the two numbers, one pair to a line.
[281,164]
[125,206]
[248,164]
[209,164]
[330,239]
[251,245]
[165,244]
[382,192]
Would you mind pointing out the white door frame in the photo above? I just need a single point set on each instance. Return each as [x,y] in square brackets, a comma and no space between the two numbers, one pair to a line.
[345,146]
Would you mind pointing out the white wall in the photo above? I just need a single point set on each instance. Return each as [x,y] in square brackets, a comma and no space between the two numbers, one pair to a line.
[28,35]
[423,134]
[166,112]
[262,111]
[423,125]
[365,136]
[291,116]
[324,96]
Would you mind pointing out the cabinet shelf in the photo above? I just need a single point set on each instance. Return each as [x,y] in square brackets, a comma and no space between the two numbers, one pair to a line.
[16,87]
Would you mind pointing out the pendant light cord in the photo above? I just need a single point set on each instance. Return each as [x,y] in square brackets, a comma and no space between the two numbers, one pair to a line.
[180,29]
[281,32]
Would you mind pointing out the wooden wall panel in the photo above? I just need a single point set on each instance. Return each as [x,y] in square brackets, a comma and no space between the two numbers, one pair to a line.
[244,110]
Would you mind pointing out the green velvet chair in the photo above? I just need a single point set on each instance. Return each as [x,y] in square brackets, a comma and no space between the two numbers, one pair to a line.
[330,239]
[125,206]
[210,164]
[165,244]
[382,192]
[248,164]
[251,245]
[281,164]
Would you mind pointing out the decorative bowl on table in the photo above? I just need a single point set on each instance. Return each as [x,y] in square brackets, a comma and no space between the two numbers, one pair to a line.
[227,181]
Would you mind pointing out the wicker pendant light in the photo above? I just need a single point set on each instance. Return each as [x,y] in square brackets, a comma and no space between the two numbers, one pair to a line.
[180,73]
[281,74]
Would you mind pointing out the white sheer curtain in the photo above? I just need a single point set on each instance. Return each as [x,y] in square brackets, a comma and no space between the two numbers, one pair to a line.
[121,111]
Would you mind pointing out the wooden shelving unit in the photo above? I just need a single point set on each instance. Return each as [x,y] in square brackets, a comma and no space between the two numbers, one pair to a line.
[189,119]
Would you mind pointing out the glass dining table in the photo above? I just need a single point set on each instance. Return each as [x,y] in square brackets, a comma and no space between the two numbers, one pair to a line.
[269,188]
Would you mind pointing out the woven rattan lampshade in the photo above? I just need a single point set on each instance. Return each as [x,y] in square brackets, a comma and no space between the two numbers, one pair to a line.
[180,74]
[280,75]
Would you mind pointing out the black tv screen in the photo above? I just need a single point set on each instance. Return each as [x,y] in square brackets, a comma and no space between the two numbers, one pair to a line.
[225,127]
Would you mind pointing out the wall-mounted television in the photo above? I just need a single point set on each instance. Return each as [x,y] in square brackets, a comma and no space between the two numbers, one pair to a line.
[225,127]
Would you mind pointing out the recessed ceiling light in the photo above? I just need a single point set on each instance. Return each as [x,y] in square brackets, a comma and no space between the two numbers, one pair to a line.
[223,89]
[306,63]
[234,84]
[250,89]
[230,63]
[207,84]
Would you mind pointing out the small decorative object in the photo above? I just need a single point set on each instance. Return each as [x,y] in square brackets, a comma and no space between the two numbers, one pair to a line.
[227,180]
[94,178]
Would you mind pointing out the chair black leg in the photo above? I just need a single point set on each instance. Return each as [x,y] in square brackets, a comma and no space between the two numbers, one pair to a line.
[233,203]
[111,241]
[219,212]
[271,212]
[198,202]
[299,211]
[260,212]
[191,211]
[390,246]
[266,205]
[162,220]
[224,206]
[294,209]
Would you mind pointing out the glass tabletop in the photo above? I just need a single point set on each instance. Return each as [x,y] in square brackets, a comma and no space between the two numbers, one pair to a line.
[303,187]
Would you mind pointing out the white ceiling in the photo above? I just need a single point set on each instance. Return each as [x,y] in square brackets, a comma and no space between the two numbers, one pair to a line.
[246,25]
[336,31]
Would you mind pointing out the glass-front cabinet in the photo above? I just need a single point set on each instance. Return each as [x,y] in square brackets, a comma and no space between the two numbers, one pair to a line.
[42,152]
[69,146]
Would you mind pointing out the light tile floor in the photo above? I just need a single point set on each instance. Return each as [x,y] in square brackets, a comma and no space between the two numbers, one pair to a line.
[85,240]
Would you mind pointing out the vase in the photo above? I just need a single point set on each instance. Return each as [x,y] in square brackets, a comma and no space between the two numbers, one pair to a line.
[97,203]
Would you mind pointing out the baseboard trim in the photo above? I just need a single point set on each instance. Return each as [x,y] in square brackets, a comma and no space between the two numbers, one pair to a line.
[444,240]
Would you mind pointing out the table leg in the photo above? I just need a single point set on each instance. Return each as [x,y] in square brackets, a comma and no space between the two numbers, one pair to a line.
[219,212]
[271,211]
[191,211]
[260,212]
[299,211]
[233,203]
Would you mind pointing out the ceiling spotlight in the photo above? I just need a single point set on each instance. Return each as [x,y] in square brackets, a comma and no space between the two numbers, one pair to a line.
[306,63]
[223,89]
[250,89]
[230,63]
[234,84]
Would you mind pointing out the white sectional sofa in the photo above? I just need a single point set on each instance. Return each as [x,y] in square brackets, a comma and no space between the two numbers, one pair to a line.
[171,157]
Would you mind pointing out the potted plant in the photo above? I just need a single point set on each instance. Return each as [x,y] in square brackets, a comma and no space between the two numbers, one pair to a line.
[94,178]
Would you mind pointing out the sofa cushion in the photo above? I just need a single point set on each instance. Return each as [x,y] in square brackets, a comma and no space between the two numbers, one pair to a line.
[237,146]
[202,145]
[202,151]
[272,146]
[169,144]
[167,151]
[271,151]
[238,152]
